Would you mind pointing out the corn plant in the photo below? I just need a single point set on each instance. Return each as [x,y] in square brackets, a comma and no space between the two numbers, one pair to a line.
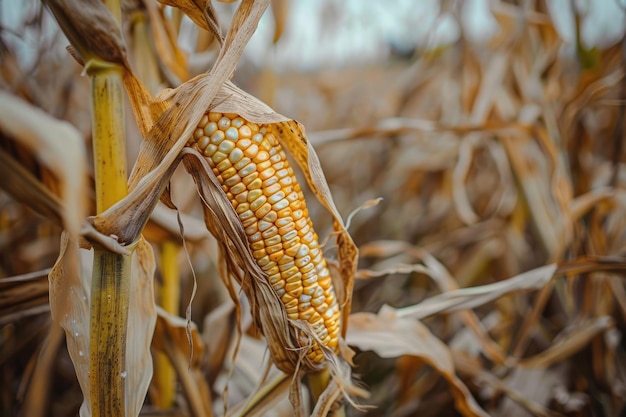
[230,143]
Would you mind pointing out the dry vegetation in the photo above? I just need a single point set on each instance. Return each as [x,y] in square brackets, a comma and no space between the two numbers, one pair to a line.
[491,271]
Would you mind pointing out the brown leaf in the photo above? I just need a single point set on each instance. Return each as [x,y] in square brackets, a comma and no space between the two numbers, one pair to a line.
[201,12]
[390,336]
[467,298]
[91,29]
[280,11]
[573,341]
[171,336]
[164,38]
[23,294]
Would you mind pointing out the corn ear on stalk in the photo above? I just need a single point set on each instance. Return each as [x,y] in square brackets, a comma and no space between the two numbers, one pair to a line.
[253,171]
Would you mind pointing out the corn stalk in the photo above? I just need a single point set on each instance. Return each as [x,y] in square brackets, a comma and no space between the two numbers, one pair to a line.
[111,272]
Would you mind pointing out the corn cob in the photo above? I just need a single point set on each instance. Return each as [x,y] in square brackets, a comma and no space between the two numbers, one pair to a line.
[253,171]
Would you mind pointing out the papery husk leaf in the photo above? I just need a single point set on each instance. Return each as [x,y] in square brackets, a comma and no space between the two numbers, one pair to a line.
[242,27]
[127,218]
[56,145]
[391,336]
[70,286]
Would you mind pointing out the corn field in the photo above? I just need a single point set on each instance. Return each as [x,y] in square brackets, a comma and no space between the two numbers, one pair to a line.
[189,229]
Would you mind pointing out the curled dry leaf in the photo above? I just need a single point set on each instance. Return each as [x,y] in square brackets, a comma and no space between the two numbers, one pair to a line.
[91,29]
[201,12]
[390,336]
[173,331]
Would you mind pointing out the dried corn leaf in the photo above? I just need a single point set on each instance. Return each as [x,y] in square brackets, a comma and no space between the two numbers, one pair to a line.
[576,338]
[280,11]
[527,166]
[166,220]
[164,38]
[173,330]
[141,322]
[390,336]
[22,295]
[468,298]
[91,29]
[70,286]
[201,12]
[176,338]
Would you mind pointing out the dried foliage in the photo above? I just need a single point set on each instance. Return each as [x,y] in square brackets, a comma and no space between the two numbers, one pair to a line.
[485,183]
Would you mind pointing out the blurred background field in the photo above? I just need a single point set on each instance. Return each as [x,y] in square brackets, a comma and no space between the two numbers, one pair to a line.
[491,131]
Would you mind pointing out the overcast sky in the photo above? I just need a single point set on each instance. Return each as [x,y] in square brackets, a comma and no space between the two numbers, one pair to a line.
[332,33]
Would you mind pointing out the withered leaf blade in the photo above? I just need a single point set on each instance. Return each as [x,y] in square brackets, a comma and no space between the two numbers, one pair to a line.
[91,29]
[177,338]
[391,336]
[467,298]
[141,322]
